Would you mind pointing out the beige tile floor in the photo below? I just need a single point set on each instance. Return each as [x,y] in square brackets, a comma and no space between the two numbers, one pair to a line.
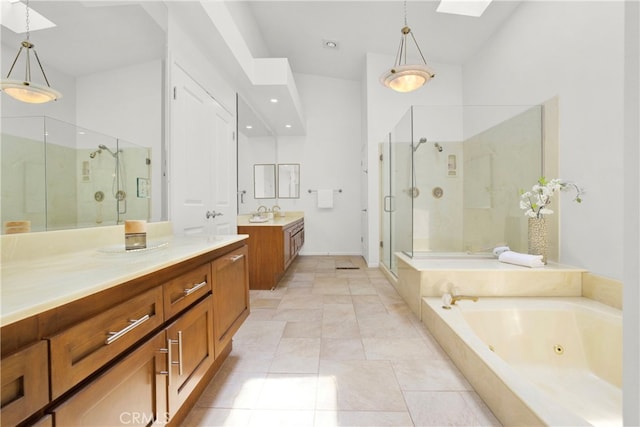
[336,347]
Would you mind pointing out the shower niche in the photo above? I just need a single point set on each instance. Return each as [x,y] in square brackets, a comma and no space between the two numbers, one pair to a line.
[56,175]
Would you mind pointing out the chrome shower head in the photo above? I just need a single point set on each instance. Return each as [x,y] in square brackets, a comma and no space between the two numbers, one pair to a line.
[421,141]
[438,147]
[104,147]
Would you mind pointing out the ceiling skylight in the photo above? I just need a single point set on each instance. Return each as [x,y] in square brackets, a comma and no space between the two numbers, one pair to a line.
[12,17]
[463,7]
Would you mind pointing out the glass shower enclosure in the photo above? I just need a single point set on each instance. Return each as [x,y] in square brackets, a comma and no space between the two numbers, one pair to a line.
[56,175]
[451,177]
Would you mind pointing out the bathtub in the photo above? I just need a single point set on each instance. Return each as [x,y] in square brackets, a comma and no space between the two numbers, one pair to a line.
[539,360]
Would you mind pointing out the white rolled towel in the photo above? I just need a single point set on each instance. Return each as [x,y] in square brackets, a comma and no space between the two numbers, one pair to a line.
[524,260]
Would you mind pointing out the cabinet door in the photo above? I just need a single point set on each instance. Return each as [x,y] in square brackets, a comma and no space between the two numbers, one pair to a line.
[133,392]
[191,351]
[25,383]
[230,274]
[288,246]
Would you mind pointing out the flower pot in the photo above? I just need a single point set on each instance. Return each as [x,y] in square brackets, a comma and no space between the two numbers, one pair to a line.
[537,237]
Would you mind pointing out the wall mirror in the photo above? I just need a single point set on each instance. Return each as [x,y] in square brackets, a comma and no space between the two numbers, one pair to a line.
[264,181]
[53,143]
[289,181]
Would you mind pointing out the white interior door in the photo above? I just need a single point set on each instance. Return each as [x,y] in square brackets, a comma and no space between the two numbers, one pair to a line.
[202,161]
[364,203]
[225,166]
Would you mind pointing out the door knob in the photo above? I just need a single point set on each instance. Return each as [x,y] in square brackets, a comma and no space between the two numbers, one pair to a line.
[213,214]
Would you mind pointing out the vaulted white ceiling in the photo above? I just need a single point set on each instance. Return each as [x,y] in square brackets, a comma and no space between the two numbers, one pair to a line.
[93,36]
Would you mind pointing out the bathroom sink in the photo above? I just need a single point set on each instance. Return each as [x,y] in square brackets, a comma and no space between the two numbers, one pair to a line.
[258,219]
[120,249]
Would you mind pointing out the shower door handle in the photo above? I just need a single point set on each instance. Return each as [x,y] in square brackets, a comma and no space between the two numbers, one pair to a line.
[389,207]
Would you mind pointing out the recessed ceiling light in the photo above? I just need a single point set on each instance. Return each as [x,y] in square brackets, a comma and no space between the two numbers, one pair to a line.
[274,100]
[330,44]
[287,126]
[464,7]
[249,127]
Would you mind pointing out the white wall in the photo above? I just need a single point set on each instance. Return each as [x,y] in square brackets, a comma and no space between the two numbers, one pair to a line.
[631,381]
[573,50]
[329,157]
[384,109]
[127,104]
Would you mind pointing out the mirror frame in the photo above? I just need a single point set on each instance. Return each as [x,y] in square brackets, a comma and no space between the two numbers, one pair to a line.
[263,195]
[288,169]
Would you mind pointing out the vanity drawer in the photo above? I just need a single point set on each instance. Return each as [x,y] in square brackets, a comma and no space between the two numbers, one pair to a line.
[25,383]
[84,348]
[133,392]
[184,290]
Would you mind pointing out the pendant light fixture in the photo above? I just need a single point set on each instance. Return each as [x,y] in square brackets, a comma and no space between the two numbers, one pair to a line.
[26,90]
[403,77]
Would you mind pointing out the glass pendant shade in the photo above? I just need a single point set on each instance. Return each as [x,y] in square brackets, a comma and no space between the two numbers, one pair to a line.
[29,92]
[406,78]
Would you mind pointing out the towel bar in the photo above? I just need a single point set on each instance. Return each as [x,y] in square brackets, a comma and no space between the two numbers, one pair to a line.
[315,191]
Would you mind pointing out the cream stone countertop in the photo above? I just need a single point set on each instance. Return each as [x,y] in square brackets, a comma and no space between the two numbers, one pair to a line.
[459,262]
[32,286]
[278,221]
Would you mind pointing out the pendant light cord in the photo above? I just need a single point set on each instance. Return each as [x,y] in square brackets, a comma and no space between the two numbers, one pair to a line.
[28,19]
[29,46]
[405,13]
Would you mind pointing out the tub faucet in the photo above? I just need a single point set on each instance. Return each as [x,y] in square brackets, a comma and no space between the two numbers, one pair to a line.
[448,300]
[456,298]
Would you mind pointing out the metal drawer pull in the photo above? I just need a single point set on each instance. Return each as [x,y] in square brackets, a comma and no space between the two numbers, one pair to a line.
[113,336]
[189,291]
[171,362]
[179,353]
[236,257]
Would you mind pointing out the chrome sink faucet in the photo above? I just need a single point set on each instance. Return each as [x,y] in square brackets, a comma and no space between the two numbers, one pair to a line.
[262,209]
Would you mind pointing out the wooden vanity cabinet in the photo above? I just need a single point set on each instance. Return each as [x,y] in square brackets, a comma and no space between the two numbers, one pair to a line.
[25,383]
[272,249]
[150,385]
[139,353]
[133,392]
[230,274]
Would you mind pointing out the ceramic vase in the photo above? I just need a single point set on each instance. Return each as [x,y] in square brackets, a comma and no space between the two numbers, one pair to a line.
[537,237]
